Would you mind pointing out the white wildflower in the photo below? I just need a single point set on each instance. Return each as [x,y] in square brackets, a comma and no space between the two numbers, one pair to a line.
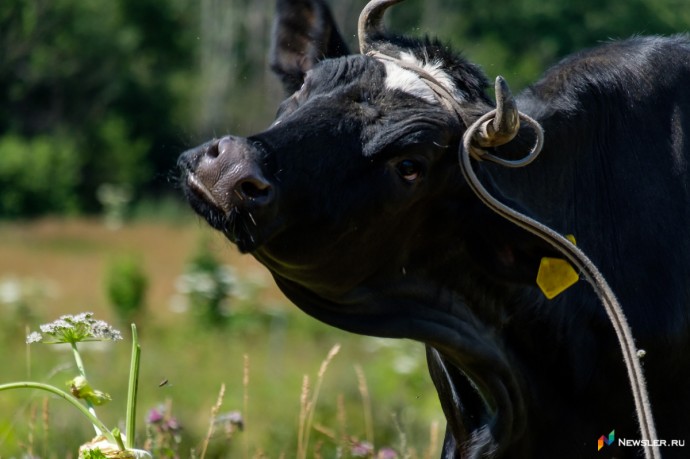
[74,329]
[34,337]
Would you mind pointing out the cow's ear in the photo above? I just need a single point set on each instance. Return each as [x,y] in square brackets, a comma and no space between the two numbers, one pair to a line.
[303,34]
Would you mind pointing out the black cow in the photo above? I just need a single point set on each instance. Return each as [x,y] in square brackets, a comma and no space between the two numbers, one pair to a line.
[354,200]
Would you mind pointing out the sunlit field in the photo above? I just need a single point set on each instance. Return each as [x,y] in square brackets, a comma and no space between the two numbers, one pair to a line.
[372,399]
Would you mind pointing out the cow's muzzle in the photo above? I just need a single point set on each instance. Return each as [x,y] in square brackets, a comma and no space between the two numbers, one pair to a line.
[224,183]
[226,173]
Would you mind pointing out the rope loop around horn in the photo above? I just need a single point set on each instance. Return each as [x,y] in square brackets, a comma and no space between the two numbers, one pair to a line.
[481,154]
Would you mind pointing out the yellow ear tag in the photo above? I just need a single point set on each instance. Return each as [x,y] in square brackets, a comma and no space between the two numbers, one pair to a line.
[556,275]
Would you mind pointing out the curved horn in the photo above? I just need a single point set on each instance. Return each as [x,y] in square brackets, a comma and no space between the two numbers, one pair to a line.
[505,125]
[369,25]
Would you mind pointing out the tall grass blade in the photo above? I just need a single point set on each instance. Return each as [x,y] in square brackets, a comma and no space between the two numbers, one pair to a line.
[28,354]
[342,422]
[45,417]
[132,390]
[433,441]
[245,404]
[212,422]
[366,404]
[307,423]
[303,412]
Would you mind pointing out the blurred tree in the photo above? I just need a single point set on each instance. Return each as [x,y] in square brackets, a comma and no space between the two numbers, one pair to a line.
[104,74]
[49,184]
[113,91]
[235,94]
[520,38]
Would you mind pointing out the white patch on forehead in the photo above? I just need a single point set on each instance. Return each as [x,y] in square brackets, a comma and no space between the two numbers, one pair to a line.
[409,82]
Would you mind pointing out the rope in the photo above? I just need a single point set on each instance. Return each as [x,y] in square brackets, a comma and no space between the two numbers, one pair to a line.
[572,253]
[579,260]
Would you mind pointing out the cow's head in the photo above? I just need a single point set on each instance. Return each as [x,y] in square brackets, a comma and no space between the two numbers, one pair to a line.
[354,201]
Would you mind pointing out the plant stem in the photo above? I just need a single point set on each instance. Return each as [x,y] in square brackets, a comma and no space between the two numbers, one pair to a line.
[98,425]
[118,438]
[82,372]
[78,360]
[132,390]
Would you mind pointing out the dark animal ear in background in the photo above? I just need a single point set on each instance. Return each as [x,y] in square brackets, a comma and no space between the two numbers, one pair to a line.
[303,34]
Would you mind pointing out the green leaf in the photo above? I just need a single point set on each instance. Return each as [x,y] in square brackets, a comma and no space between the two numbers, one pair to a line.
[93,454]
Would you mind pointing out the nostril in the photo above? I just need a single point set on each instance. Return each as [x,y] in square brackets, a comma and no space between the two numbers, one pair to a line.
[212,149]
[255,189]
[223,147]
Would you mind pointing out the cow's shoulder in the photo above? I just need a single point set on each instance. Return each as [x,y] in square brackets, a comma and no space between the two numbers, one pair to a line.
[619,69]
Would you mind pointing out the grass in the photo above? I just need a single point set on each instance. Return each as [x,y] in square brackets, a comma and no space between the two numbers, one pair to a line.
[371,391]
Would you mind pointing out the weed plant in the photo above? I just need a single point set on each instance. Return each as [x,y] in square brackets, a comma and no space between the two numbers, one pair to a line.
[125,286]
[256,414]
[207,285]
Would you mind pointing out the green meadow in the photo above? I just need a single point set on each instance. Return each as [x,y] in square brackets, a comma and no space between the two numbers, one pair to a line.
[250,380]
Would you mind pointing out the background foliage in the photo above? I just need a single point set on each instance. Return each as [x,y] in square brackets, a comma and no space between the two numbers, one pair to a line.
[100,92]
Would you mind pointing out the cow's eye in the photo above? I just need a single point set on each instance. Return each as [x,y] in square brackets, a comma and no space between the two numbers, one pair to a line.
[409,169]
